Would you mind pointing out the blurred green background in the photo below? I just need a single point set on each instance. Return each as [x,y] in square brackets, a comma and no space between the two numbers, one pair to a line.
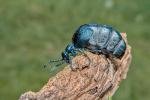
[32,31]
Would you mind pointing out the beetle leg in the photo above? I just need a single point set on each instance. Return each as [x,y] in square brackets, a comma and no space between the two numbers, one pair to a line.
[69,60]
[78,50]
[95,51]
[73,53]
[82,52]
[106,58]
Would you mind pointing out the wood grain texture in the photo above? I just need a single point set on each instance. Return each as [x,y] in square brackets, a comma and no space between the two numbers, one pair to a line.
[92,77]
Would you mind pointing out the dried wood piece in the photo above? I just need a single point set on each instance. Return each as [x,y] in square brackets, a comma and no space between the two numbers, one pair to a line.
[92,77]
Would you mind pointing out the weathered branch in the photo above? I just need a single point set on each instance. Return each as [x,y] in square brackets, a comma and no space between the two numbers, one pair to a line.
[93,77]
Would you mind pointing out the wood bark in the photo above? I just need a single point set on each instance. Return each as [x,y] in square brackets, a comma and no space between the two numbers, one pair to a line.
[89,77]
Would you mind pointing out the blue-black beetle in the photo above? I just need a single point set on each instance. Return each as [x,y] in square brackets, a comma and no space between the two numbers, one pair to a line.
[95,38]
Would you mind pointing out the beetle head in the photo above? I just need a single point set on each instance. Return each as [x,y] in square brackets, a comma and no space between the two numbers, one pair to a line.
[68,53]
[65,56]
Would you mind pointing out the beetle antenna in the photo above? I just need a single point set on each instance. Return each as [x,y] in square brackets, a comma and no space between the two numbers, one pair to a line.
[59,64]
[54,61]
[51,61]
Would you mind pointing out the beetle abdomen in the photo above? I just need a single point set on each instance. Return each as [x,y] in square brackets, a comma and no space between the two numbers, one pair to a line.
[113,41]
[120,49]
[99,38]
[103,36]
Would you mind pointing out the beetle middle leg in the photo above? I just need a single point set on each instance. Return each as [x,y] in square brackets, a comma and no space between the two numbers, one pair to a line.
[82,51]
[103,53]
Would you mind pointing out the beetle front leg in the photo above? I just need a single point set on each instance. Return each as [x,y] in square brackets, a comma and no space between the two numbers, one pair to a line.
[82,51]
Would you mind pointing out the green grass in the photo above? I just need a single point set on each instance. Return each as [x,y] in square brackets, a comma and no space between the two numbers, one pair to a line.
[32,31]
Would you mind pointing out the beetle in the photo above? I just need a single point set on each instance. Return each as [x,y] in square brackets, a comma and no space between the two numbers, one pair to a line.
[96,38]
